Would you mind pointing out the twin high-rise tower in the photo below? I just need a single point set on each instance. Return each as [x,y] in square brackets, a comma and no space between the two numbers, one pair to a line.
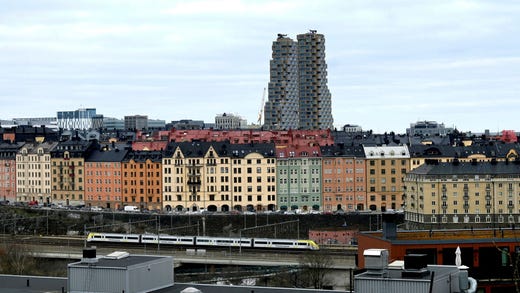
[298,96]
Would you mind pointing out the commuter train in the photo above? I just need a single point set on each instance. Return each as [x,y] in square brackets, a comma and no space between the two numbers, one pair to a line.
[267,243]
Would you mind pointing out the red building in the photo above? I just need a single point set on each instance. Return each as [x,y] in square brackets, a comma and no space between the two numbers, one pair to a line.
[490,254]
[283,137]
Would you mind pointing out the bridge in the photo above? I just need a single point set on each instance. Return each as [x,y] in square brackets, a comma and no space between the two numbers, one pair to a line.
[341,266]
[201,256]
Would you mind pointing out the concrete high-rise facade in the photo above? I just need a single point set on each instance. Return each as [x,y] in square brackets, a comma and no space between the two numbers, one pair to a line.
[298,94]
[281,108]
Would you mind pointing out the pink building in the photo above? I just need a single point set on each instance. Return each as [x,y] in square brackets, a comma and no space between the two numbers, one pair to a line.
[334,236]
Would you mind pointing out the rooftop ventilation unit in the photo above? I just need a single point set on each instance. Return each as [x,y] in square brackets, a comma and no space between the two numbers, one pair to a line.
[89,255]
[415,266]
[376,261]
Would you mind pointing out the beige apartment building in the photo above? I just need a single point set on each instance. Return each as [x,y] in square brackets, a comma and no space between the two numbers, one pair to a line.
[385,169]
[218,176]
[33,172]
[464,192]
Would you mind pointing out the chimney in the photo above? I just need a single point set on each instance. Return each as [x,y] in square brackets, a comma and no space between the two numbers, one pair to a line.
[389,226]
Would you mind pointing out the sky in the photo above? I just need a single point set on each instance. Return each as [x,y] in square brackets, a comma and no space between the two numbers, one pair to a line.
[390,63]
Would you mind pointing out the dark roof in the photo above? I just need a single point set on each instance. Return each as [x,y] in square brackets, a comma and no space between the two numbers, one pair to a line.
[8,150]
[432,151]
[143,156]
[75,148]
[342,150]
[468,168]
[108,154]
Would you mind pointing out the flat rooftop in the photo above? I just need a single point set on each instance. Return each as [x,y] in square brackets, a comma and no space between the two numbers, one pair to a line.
[451,236]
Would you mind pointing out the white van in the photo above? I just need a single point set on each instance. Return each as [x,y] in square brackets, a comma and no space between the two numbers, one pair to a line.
[96,209]
[131,209]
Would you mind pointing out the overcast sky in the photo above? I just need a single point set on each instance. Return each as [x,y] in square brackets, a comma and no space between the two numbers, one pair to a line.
[390,63]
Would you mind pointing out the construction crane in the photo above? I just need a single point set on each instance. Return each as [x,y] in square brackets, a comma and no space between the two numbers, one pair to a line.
[261,112]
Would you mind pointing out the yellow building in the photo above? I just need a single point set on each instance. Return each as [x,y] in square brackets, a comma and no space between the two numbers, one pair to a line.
[33,172]
[464,192]
[385,168]
[218,176]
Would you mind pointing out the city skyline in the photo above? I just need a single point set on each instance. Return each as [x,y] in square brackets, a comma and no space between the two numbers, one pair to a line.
[389,64]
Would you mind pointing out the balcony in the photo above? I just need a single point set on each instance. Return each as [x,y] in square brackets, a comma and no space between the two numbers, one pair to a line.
[194,182]
[465,197]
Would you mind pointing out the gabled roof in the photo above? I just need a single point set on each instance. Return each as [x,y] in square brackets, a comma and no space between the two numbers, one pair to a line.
[32,148]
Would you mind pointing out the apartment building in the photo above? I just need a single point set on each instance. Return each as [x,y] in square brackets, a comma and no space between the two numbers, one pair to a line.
[68,171]
[464,192]
[385,169]
[299,178]
[219,176]
[142,179]
[33,172]
[8,153]
[103,177]
[344,178]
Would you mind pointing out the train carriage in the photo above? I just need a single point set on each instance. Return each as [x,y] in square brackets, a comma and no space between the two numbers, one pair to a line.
[114,237]
[177,240]
[223,241]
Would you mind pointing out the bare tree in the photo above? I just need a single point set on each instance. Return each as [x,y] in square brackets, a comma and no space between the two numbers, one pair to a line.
[16,259]
[315,267]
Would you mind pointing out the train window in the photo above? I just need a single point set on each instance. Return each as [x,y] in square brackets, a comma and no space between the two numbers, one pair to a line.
[133,238]
[261,242]
[302,244]
[114,237]
[202,240]
[186,239]
[224,241]
[245,241]
[281,243]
